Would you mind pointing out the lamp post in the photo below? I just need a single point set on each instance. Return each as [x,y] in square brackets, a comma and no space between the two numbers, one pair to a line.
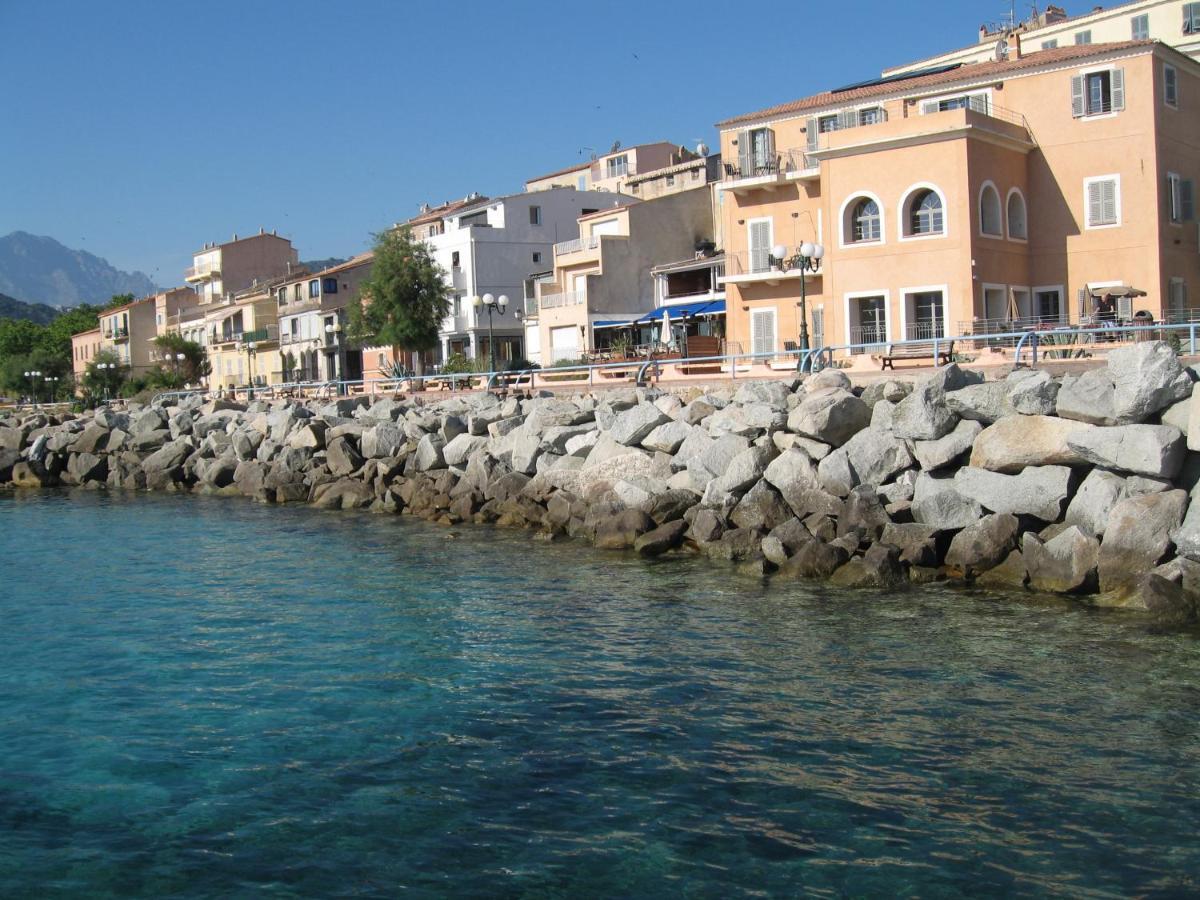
[105,368]
[32,377]
[52,384]
[487,301]
[807,259]
[251,352]
[332,330]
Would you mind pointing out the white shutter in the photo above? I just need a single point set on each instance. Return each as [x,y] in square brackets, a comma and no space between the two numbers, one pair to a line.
[847,118]
[769,149]
[978,102]
[1081,296]
[1125,308]
[1109,201]
[818,328]
[1187,200]
[1095,203]
[1117,84]
[762,331]
[745,155]
[928,106]
[760,246]
[1077,96]
[813,130]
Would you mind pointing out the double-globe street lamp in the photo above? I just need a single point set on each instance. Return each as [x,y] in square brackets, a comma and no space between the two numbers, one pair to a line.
[807,259]
[487,301]
[32,377]
[106,368]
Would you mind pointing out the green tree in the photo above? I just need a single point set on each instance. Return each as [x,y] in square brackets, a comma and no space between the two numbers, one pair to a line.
[18,337]
[51,366]
[107,381]
[118,300]
[403,303]
[195,363]
[56,337]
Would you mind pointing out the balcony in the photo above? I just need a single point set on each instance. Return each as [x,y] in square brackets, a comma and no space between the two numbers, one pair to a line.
[224,337]
[264,335]
[761,268]
[118,334]
[768,173]
[578,245]
[531,306]
[202,272]
[566,298]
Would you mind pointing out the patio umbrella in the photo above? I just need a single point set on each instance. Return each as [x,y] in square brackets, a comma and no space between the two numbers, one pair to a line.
[665,339]
[1118,290]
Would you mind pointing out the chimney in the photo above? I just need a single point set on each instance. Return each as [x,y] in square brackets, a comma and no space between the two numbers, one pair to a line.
[235,235]
[261,230]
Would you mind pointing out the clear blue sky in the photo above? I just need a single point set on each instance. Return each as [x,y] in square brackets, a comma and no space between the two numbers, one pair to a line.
[139,129]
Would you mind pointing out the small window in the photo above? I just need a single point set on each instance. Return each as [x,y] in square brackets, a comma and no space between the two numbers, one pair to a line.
[695,174]
[617,166]
[454,260]
[330,286]
[1191,18]
[537,256]
[633,188]
[827,123]
[314,289]
[1174,198]
[1097,93]
[989,212]
[1018,219]
[925,214]
[283,296]
[872,115]
[1050,44]
[1103,199]
[1170,86]
[1139,28]
[865,221]
[1083,37]
[670,181]
[458,304]
[382,361]
[297,292]
[535,215]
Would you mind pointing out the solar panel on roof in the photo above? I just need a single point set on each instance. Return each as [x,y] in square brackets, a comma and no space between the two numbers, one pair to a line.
[904,76]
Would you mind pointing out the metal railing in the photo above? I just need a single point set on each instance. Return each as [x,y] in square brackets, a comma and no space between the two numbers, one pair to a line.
[584,243]
[266,333]
[761,262]
[783,162]
[202,271]
[566,298]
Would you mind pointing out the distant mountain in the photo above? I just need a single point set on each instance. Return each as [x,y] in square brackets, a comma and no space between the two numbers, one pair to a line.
[11,308]
[41,270]
[316,265]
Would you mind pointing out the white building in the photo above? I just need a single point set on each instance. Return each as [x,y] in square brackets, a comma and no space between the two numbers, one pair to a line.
[492,247]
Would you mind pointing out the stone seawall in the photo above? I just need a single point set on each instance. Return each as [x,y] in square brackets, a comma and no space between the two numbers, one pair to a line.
[1079,486]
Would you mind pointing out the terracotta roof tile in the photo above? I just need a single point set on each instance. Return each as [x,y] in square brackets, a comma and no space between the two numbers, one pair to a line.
[965,72]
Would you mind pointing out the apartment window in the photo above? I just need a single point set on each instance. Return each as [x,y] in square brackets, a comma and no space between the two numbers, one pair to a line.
[870,116]
[695,174]
[617,166]
[581,183]
[454,260]
[283,296]
[1177,300]
[458,304]
[382,361]
[1050,44]
[1139,27]
[1170,86]
[297,292]
[1096,93]
[925,213]
[989,211]
[1102,197]
[1018,219]
[1083,37]
[1181,199]
[827,123]
[537,256]
[329,285]
[314,289]
[865,221]
[977,102]
[535,215]
[670,181]
[1191,18]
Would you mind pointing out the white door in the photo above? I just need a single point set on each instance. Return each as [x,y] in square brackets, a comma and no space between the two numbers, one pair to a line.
[762,331]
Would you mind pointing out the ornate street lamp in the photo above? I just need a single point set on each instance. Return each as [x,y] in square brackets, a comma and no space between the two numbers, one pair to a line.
[807,259]
[32,377]
[251,352]
[487,301]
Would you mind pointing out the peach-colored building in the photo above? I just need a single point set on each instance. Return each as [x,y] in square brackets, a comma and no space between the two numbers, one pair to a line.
[977,198]
[84,347]
[220,269]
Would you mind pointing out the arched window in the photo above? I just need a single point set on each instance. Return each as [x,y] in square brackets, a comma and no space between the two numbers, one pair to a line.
[864,221]
[990,218]
[1018,227]
[925,214]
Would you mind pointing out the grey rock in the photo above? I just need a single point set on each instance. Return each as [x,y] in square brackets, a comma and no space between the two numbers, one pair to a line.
[341,457]
[923,415]
[1038,491]
[1090,397]
[1154,450]
[815,559]
[1094,501]
[745,469]
[668,437]
[383,441]
[429,454]
[762,507]
[879,567]
[917,542]
[945,510]
[939,453]
[1015,442]
[983,545]
[987,402]
[635,424]
[835,474]
[830,416]
[1138,535]
[791,472]
[457,451]
[1160,600]
[526,448]
[556,437]
[1147,377]
[661,539]
[1032,392]
[1064,565]
[1140,484]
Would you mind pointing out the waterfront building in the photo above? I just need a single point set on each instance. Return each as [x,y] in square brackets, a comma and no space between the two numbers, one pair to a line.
[491,246]
[129,331]
[1173,22]
[966,199]
[242,336]
[604,285]
[84,347]
[220,269]
[313,312]
[620,167]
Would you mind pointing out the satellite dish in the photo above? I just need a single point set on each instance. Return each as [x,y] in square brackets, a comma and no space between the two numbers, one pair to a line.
[1001,50]
[615,147]
[702,149]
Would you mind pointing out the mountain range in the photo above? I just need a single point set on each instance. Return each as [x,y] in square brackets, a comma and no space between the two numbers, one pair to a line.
[37,269]
[11,308]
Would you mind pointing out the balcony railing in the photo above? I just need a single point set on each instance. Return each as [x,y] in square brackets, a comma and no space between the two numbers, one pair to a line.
[262,335]
[206,270]
[531,306]
[586,243]
[566,298]
[224,337]
[783,162]
[760,262]
[867,334]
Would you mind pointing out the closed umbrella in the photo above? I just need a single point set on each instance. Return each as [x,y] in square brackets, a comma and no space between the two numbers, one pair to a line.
[665,339]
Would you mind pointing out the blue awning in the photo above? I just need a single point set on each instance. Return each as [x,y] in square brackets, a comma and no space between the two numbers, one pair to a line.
[654,317]
[614,323]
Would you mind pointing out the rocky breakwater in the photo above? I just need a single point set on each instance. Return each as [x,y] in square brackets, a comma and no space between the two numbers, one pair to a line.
[1079,486]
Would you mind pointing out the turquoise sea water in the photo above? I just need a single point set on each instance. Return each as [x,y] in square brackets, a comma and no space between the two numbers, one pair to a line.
[209,698]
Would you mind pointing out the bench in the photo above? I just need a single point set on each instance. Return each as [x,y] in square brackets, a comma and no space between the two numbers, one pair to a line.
[945,352]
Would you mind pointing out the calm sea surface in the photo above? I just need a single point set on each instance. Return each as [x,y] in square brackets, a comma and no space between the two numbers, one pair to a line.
[211,698]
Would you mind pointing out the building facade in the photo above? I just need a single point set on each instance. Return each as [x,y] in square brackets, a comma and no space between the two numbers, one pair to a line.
[313,315]
[615,169]
[991,194]
[220,269]
[84,347]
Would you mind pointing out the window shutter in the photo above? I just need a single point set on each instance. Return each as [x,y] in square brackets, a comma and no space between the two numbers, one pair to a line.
[763,328]
[1095,203]
[1077,96]
[847,118]
[745,154]
[1187,199]
[1081,297]
[978,103]
[931,106]
[813,130]
[1109,205]
[760,246]
[769,146]
[1118,89]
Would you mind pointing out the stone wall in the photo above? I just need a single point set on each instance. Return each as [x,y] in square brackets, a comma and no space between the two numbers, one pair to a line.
[1079,486]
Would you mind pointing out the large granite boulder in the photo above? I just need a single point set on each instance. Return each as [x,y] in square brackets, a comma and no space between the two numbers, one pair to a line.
[1160,600]
[1015,442]
[1138,535]
[874,457]
[1094,501]
[983,545]
[1066,564]
[635,424]
[1032,392]
[1154,450]
[831,416]
[937,454]
[1038,491]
